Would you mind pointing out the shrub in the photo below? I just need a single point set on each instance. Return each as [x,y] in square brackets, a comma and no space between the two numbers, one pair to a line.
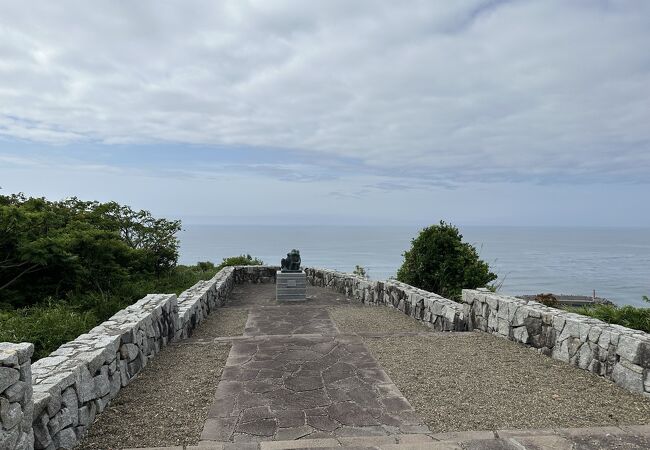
[360,271]
[547,299]
[241,260]
[439,261]
[627,316]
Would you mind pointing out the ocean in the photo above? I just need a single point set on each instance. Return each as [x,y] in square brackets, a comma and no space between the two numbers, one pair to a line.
[529,260]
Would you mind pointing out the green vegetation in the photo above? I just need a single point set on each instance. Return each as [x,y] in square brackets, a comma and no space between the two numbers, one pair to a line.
[548,300]
[627,316]
[439,261]
[360,271]
[68,266]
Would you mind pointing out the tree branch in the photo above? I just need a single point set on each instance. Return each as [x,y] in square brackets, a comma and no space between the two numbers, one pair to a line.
[31,269]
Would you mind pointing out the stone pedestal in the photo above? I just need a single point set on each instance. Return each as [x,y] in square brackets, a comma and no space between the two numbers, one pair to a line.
[290,286]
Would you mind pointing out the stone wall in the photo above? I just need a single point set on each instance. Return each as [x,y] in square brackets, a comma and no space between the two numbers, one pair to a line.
[255,274]
[51,404]
[196,303]
[78,379]
[16,397]
[617,353]
[614,352]
[433,310]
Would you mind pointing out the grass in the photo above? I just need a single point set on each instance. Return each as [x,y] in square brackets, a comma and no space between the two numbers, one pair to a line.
[46,326]
[627,316]
[57,321]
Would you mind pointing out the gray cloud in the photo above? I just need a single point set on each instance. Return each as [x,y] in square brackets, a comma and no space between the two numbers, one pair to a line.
[445,91]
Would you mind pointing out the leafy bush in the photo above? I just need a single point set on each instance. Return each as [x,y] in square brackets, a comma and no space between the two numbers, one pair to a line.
[241,260]
[439,261]
[360,271]
[547,299]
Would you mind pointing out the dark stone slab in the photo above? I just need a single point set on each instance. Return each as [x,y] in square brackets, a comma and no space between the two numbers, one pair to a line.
[289,320]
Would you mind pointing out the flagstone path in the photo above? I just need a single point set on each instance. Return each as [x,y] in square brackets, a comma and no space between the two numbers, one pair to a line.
[302,376]
[293,375]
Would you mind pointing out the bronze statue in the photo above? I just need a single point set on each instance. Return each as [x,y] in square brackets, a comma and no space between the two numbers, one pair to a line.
[292,262]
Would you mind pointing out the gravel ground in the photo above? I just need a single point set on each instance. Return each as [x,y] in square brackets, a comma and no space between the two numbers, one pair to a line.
[474,381]
[168,403]
[223,322]
[373,319]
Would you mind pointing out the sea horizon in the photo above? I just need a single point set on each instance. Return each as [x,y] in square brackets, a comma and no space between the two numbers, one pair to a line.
[571,259]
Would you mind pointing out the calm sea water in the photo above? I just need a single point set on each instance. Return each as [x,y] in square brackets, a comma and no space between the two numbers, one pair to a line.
[614,262]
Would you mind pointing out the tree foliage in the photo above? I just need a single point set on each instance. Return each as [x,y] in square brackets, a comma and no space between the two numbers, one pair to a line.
[439,261]
[360,271]
[55,248]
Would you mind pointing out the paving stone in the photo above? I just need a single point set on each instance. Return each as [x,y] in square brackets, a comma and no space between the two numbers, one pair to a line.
[413,438]
[257,427]
[375,441]
[293,433]
[489,444]
[160,448]
[240,446]
[302,383]
[219,429]
[290,418]
[349,413]
[396,404]
[541,442]
[463,436]
[259,412]
[222,407]
[423,446]
[351,431]
[294,377]
[311,443]
[323,423]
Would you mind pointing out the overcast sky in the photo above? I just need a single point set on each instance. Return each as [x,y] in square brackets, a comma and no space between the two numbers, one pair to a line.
[382,112]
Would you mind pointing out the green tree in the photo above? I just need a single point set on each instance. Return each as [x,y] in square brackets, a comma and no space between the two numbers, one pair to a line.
[439,261]
[57,248]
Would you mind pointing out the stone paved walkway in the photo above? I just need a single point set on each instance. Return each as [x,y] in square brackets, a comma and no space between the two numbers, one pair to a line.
[295,378]
[293,375]
[594,438]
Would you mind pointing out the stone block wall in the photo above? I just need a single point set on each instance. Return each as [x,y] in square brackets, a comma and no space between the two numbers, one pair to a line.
[50,404]
[196,303]
[79,379]
[614,352]
[617,353]
[433,310]
[16,397]
[255,274]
